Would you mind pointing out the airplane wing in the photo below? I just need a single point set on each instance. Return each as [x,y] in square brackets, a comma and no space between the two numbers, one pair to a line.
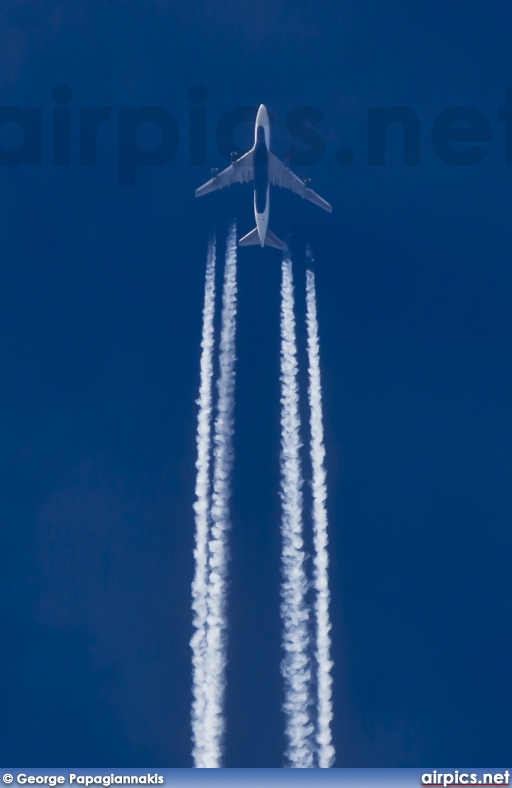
[241,171]
[280,175]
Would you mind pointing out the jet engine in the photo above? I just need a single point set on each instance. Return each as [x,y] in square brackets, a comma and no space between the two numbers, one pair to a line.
[215,172]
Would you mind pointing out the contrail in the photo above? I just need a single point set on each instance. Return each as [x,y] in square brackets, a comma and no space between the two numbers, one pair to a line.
[294,611]
[325,751]
[201,509]
[218,545]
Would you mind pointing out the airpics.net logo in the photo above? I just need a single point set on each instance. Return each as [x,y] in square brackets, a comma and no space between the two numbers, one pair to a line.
[465,778]
[457,134]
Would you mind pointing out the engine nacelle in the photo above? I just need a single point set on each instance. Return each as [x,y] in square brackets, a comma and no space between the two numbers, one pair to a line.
[307,181]
[215,172]
[286,163]
[234,156]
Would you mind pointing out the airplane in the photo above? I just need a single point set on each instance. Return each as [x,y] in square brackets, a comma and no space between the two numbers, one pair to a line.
[261,166]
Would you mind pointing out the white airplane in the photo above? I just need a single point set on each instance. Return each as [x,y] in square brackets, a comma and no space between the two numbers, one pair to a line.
[261,166]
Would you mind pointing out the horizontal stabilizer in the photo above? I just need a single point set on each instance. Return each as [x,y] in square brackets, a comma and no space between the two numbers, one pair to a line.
[253,239]
[273,241]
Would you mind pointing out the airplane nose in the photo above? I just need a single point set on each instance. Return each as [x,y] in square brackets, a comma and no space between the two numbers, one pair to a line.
[262,116]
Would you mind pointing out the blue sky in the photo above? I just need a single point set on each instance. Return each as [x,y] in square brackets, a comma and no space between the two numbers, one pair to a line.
[100,307]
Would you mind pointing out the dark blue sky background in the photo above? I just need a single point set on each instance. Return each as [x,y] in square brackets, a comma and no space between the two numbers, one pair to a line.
[101,290]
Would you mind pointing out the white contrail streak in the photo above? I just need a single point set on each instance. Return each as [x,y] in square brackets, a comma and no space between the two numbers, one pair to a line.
[294,611]
[325,751]
[216,633]
[201,509]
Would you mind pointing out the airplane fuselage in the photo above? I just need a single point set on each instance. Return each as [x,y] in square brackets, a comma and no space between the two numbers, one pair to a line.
[261,182]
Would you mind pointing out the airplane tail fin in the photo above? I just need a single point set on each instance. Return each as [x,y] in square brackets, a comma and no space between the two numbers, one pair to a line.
[253,239]
[275,242]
